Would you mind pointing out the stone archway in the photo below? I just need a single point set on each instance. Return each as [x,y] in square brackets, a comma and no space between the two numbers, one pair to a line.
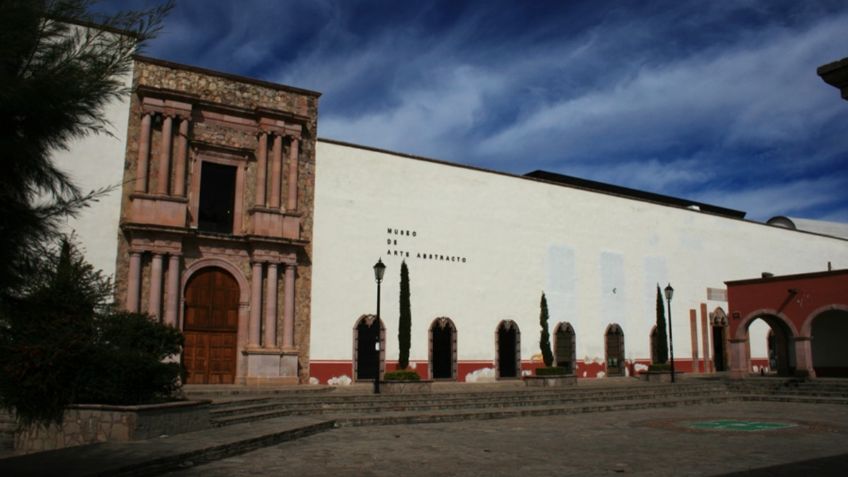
[366,357]
[614,345]
[508,344]
[210,326]
[828,338]
[718,326]
[783,345]
[442,338]
[565,352]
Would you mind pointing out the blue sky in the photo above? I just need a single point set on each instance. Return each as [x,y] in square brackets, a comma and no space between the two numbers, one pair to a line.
[716,101]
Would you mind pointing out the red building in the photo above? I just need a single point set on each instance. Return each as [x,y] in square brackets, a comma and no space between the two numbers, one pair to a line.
[808,317]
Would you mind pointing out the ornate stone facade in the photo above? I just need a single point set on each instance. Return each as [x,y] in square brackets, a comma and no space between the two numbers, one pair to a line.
[187,125]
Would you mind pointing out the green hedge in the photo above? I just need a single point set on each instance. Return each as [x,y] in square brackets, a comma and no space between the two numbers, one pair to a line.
[402,375]
[551,371]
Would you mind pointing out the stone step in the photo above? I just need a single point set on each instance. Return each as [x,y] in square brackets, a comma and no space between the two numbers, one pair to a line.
[251,415]
[794,398]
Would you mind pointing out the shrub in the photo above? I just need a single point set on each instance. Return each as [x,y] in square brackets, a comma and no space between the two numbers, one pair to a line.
[402,375]
[545,338]
[551,371]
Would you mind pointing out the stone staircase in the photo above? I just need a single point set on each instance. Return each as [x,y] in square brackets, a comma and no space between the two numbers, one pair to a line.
[454,405]
[819,391]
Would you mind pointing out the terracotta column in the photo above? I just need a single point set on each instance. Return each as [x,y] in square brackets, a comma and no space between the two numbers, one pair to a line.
[292,180]
[133,282]
[276,170]
[803,357]
[739,364]
[705,338]
[180,160]
[165,156]
[261,166]
[172,307]
[154,301]
[255,305]
[693,332]
[270,340]
[288,307]
[143,154]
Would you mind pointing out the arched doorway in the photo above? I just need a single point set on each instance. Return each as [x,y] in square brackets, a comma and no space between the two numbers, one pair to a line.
[718,324]
[779,343]
[654,339]
[564,344]
[366,357]
[211,327]
[829,335]
[443,349]
[614,350]
[508,342]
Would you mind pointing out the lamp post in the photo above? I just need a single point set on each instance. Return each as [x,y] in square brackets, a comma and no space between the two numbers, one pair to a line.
[379,270]
[669,292]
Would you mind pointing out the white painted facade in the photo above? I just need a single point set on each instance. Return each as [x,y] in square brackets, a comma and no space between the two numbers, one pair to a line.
[598,257]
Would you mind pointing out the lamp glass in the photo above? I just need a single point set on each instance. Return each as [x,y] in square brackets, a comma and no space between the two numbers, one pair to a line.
[379,270]
[669,292]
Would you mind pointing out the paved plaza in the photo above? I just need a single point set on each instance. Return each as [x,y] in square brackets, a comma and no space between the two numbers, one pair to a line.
[699,440]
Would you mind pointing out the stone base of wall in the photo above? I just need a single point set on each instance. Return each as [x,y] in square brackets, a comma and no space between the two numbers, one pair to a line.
[406,387]
[91,423]
[657,376]
[550,381]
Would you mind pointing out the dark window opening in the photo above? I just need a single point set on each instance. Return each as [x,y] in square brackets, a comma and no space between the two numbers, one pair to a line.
[217,198]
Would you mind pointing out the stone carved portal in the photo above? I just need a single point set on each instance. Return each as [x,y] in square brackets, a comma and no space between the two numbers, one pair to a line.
[566,352]
[615,350]
[508,343]
[443,349]
[366,357]
[211,327]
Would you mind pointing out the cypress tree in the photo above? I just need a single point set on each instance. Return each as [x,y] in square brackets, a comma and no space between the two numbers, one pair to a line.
[545,340]
[405,322]
[662,340]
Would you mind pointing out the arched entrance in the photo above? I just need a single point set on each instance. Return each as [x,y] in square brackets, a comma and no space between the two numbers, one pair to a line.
[718,324]
[443,349]
[614,350]
[508,342]
[211,327]
[564,344]
[780,345]
[366,357]
[829,335]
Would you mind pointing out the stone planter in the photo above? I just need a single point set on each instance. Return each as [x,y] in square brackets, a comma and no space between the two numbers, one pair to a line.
[406,387]
[657,376]
[90,423]
[550,381]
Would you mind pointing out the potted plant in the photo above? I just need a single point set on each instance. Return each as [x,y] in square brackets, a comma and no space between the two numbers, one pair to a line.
[404,379]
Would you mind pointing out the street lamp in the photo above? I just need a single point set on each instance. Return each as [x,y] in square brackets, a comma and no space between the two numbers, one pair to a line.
[669,292]
[379,270]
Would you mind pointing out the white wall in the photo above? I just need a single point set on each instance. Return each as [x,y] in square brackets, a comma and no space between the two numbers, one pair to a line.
[95,162]
[598,257]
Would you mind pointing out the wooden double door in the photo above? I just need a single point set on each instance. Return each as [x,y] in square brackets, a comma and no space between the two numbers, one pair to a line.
[211,327]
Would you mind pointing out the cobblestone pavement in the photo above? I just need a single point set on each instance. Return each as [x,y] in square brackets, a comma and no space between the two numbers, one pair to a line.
[644,442]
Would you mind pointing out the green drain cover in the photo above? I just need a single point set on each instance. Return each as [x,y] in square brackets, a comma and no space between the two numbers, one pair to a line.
[734,425]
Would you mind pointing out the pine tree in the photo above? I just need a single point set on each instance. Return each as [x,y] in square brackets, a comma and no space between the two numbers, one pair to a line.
[545,340]
[662,339]
[405,321]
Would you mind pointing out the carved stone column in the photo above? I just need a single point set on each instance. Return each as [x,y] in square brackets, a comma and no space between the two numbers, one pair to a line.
[261,166]
[154,301]
[292,179]
[180,160]
[165,155]
[270,340]
[172,307]
[134,282]
[288,307]
[143,154]
[276,171]
[255,305]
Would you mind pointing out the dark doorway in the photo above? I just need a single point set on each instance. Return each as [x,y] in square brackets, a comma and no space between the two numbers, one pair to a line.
[211,327]
[781,356]
[615,350]
[217,198]
[443,348]
[565,350]
[367,333]
[719,348]
[508,357]
[829,336]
